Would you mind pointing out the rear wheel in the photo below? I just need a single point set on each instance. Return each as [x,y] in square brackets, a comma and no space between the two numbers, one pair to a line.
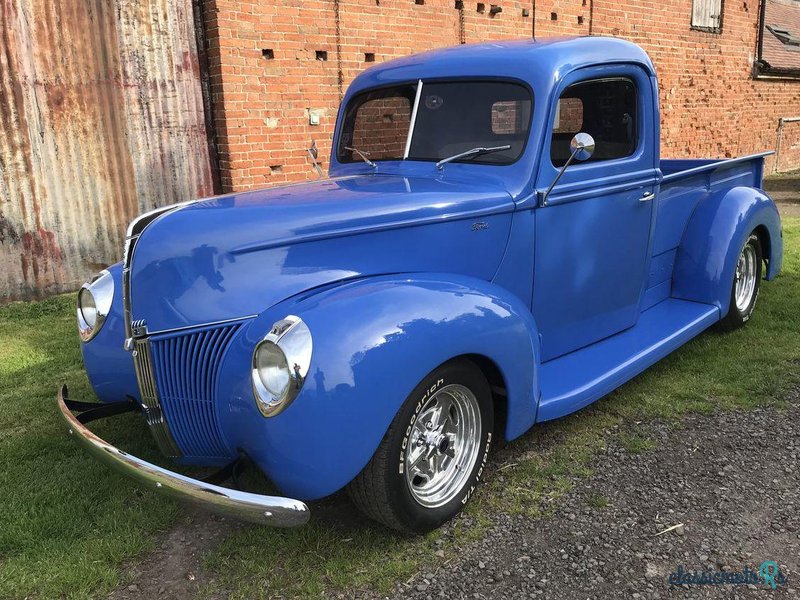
[433,455]
[746,284]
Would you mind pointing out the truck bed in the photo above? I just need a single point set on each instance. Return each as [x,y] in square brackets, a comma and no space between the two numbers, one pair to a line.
[685,183]
[680,168]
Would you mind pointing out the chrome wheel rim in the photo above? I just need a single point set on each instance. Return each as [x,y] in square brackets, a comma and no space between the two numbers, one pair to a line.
[443,446]
[746,271]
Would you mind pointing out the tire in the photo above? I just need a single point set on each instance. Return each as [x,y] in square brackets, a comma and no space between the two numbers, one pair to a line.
[412,483]
[746,285]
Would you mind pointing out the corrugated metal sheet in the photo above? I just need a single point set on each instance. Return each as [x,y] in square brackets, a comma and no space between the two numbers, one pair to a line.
[101,117]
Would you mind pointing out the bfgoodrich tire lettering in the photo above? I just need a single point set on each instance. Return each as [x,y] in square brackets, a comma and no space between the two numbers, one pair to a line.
[394,488]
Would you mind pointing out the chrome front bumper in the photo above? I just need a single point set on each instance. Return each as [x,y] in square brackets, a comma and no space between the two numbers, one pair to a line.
[264,510]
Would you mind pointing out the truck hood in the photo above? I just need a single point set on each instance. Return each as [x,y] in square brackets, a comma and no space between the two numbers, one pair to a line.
[236,255]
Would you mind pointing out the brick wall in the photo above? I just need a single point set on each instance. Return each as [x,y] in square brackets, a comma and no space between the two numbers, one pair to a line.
[711,105]
[381,127]
[273,65]
[789,145]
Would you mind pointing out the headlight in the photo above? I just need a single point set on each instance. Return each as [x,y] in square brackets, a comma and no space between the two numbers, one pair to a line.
[94,304]
[280,365]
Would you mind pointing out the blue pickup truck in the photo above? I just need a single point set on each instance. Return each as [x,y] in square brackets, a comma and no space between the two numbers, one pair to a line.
[499,244]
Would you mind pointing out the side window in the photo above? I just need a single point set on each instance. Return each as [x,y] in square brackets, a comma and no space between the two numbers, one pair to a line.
[603,108]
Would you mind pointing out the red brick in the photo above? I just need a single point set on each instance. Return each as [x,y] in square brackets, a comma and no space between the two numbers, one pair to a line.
[711,105]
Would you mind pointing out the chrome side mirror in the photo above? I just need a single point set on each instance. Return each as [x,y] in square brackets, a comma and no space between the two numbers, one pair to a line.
[582,146]
[314,153]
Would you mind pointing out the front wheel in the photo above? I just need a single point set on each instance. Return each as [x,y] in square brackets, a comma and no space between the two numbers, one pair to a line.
[433,455]
[746,283]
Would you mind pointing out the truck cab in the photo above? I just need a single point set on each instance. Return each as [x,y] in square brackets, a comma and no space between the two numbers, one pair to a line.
[595,236]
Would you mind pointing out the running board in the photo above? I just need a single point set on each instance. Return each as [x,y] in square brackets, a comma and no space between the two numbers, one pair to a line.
[572,381]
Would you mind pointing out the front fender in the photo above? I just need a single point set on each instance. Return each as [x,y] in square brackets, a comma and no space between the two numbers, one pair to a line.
[706,259]
[373,342]
[109,367]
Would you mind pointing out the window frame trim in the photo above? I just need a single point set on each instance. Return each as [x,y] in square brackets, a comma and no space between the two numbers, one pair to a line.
[413,121]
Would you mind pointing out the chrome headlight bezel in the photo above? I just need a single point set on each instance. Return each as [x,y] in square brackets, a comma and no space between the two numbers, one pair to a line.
[101,290]
[291,338]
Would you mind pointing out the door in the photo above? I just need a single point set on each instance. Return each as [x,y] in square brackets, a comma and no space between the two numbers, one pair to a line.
[592,238]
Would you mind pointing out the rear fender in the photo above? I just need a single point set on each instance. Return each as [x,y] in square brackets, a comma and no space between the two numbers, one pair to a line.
[717,230]
[373,341]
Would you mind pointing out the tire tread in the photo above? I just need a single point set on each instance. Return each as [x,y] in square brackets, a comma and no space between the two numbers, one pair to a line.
[369,491]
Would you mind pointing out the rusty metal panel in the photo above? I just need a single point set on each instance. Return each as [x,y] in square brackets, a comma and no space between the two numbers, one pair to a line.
[101,117]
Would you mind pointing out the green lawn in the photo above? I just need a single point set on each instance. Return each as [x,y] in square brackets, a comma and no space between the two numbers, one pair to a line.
[68,523]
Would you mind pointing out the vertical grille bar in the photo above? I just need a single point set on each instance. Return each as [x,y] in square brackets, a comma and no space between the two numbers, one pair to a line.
[143,363]
[186,374]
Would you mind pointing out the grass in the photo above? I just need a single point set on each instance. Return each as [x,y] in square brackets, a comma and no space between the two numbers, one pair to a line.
[598,501]
[636,442]
[69,524]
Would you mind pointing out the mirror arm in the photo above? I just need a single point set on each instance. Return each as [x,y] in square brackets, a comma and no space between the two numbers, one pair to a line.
[543,201]
[582,146]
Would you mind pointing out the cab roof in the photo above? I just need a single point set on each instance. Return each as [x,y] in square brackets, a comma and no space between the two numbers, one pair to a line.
[536,62]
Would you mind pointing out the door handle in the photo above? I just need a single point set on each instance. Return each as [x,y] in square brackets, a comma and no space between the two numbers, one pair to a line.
[647,197]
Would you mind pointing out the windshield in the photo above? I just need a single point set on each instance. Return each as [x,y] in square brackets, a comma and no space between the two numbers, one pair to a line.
[451,117]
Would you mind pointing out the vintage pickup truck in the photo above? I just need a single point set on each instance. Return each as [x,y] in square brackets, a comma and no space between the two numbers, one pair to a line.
[499,244]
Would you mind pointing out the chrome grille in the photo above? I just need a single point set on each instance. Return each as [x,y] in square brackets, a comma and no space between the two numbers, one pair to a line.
[137,342]
[151,404]
[187,366]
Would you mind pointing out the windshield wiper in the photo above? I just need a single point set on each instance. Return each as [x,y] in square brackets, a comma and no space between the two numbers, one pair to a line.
[470,153]
[363,156]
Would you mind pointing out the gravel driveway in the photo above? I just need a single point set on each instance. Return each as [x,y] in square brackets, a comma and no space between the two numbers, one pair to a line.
[731,480]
